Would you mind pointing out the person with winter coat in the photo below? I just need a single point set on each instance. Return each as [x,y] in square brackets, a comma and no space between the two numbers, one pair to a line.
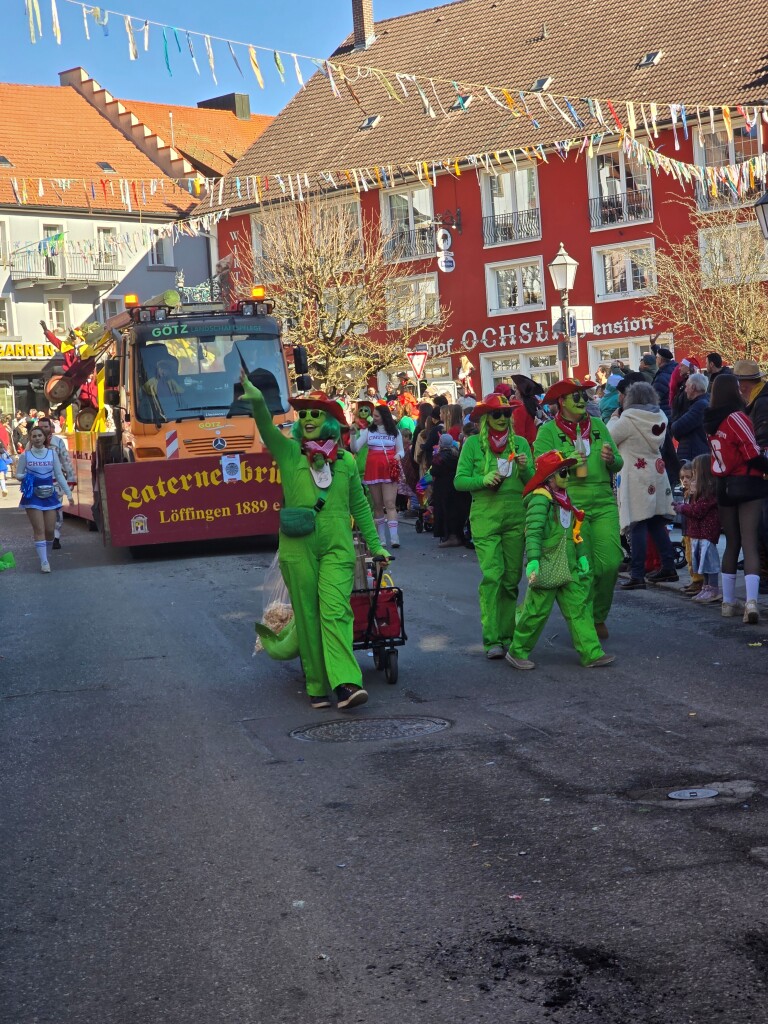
[645,494]
[451,506]
[688,429]
[661,385]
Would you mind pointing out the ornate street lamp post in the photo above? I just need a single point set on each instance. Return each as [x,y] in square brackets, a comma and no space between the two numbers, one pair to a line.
[562,270]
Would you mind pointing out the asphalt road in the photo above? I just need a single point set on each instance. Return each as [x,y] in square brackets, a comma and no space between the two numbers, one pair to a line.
[172,855]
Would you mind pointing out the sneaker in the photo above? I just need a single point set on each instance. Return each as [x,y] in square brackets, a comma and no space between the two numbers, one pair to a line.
[662,576]
[45,567]
[602,661]
[320,702]
[703,595]
[56,544]
[714,596]
[729,611]
[349,696]
[602,630]
[632,584]
[522,663]
[751,613]
[695,587]
[494,651]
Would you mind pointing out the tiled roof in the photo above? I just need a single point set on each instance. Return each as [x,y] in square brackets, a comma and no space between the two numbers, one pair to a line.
[208,137]
[50,132]
[711,56]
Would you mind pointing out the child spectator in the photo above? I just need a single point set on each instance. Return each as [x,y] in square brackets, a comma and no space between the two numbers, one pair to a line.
[703,524]
[697,580]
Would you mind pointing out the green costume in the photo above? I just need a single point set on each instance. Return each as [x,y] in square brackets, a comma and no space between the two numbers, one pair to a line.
[545,524]
[594,494]
[318,568]
[497,519]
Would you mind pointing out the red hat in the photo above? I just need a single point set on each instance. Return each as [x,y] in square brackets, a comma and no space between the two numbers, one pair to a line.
[546,466]
[503,389]
[489,404]
[569,386]
[319,400]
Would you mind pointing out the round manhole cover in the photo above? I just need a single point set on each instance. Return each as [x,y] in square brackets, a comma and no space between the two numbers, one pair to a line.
[360,729]
[693,794]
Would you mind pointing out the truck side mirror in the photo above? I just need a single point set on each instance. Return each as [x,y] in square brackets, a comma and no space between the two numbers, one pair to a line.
[112,374]
[300,361]
[304,382]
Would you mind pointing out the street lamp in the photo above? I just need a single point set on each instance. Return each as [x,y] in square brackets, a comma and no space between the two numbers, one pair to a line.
[562,270]
[761,212]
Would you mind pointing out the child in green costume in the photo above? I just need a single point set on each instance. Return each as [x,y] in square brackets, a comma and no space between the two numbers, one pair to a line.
[493,466]
[555,570]
[321,483]
[591,488]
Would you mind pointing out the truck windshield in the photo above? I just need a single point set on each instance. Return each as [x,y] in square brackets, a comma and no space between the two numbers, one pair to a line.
[179,378]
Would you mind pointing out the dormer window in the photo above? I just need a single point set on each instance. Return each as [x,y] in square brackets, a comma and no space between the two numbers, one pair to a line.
[461,102]
[370,122]
[650,60]
[542,84]
[5,162]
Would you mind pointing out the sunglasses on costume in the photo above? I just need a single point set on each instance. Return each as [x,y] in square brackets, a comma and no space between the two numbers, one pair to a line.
[501,413]
[579,397]
[314,414]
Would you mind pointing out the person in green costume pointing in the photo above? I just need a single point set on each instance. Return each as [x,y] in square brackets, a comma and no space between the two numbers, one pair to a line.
[574,433]
[556,570]
[322,490]
[493,466]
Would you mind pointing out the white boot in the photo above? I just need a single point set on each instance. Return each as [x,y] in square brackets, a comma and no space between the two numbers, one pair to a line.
[381,529]
[392,524]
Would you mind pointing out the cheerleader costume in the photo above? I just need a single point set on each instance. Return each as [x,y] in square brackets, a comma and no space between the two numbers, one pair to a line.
[37,480]
[384,451]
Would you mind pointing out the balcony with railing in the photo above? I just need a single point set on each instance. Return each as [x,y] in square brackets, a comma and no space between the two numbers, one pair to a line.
[623,208]
[726,197]
[30,267]
[407,245]
[511,227]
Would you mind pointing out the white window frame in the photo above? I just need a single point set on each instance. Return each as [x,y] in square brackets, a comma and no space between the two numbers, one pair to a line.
[426,318]
[106,257]
[59,330]
[430,250]
[494,308]
[699,155]
[160,246]
[58,262]
[623,212]
[116,302]
[486,187]
[598,271]
[6,316]
[523,357]
[635,346]
[737,249]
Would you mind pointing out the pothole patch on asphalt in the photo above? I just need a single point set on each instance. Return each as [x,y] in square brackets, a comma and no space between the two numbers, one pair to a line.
[360,730]
[733,791]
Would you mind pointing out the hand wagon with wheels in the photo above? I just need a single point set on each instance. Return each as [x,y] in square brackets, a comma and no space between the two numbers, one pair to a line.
[379,623]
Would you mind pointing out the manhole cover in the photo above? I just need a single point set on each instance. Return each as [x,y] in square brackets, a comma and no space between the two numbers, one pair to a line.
[361,729]
[692,794]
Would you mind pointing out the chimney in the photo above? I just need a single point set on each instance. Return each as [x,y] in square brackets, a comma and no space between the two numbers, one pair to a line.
[362,21]
[237,102]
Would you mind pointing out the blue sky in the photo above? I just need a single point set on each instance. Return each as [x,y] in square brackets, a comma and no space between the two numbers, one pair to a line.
[312,27]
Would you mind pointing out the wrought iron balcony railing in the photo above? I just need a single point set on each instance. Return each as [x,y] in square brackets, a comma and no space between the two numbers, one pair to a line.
[39,267]
[622,208]
[511,227]
[404,245]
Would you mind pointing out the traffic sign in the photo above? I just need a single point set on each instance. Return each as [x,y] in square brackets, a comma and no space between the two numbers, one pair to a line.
[446,262]
[417,361]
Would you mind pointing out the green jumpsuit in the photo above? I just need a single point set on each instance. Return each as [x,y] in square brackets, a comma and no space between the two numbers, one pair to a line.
[319,569]
[594,494]
[497,519]
[544,528]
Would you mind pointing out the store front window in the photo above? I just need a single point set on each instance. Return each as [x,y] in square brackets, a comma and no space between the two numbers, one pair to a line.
[540,364]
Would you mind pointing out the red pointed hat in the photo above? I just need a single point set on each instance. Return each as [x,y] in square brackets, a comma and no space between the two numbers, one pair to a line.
[489,404]
[569,386]
[546,466]
[319,400]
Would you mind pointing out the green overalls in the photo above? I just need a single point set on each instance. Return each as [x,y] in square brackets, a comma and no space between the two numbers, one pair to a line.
[497,519]
[544,527]
[319,569]
[594,494]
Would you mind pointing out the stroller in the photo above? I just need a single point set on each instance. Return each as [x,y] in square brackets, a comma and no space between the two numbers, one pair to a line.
[425,515]
[379,620]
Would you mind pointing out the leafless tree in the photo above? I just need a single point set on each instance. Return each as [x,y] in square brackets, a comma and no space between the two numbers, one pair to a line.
[339,287]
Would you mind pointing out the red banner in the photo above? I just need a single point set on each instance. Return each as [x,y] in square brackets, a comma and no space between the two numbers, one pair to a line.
[187,499]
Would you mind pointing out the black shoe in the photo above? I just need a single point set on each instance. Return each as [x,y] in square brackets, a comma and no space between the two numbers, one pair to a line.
[320,702]
[662,576]
[348,696]
[56,544]
[631,584]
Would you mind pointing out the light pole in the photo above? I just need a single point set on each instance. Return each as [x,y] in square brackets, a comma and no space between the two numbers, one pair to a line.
[761,212]
[562,270]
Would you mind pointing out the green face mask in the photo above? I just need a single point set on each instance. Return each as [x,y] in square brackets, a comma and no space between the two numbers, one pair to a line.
[311,421]
[574,406]
[561,479]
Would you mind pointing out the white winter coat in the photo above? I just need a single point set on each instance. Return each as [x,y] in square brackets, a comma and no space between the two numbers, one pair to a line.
[644,488]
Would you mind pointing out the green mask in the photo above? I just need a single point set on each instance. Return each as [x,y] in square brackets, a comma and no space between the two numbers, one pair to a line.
[311,422]
[574,406]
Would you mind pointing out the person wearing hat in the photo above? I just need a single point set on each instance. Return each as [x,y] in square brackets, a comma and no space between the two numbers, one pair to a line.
[525,408]
[493,466]
[556,569]
[647,367]
[574,431]
[322,490]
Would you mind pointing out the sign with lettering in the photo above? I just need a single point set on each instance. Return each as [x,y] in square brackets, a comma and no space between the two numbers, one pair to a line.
[44,350]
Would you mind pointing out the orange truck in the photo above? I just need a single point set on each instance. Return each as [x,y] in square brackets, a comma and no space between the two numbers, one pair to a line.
[173,454]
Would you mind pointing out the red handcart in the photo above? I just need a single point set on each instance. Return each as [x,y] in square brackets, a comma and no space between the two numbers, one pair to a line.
[379,622]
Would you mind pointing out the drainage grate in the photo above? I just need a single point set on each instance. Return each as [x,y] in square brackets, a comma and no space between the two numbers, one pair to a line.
[361,729]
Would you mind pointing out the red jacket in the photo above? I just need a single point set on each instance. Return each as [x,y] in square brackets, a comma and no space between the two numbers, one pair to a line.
[702,518]
[733,444]
[522,421]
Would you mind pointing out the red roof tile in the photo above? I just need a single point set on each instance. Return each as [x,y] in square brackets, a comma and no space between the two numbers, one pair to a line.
[51,132]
